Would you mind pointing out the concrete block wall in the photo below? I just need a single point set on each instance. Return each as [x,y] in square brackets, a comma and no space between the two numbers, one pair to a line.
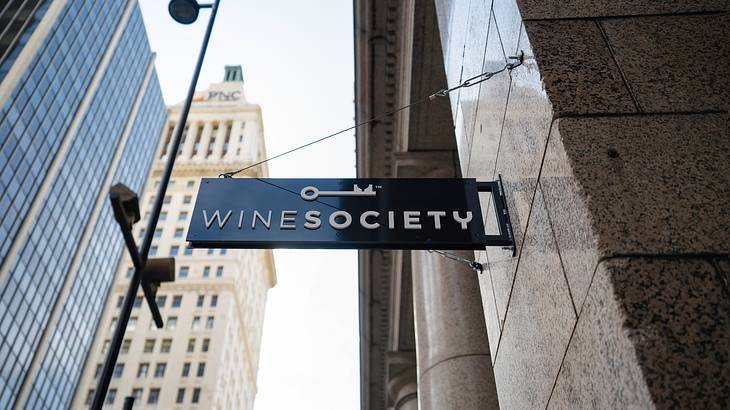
[613,144]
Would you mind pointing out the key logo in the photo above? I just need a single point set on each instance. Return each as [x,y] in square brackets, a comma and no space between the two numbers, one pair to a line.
[311,193]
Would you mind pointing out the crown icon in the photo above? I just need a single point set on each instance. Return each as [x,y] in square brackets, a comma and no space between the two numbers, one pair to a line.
[367,190]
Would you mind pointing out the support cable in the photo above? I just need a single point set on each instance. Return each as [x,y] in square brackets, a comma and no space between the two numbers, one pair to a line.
[477,79]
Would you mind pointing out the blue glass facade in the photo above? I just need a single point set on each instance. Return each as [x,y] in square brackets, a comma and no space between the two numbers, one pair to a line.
[33,124]
[73,337]
[34,18]
[39,111]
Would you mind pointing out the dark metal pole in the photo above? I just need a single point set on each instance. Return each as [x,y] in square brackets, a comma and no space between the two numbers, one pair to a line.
[116,343]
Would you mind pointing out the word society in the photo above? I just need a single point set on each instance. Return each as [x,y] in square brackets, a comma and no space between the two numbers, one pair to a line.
[338,219]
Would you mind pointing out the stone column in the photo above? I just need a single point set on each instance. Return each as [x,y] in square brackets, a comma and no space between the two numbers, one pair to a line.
[233,144]
[452,345]
[402,381]
[454,365]
[251,140]
[220,139]
[187,148]
[204,141]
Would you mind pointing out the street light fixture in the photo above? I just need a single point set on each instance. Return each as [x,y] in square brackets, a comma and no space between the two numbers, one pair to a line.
[185,11]
[157,271]
[125,203]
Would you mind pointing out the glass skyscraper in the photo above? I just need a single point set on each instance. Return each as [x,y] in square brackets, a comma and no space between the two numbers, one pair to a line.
[80,109]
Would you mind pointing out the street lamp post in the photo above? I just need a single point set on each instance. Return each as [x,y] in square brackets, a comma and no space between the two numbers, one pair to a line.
[125,203]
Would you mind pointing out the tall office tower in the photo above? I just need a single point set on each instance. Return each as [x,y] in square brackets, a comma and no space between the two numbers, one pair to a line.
[206,357]
[80,109]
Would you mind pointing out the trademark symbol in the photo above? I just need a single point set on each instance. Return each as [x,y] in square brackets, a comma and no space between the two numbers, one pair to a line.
[378,187]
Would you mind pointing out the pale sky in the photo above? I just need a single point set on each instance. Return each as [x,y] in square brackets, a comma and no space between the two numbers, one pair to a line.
[297,59]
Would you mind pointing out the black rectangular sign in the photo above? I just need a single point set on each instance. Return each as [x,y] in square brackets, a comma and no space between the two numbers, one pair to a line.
[337,214]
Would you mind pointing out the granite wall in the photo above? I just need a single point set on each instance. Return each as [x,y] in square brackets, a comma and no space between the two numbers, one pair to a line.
[613,144]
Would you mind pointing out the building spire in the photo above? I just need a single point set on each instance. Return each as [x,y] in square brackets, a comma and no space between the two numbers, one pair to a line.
[233,73]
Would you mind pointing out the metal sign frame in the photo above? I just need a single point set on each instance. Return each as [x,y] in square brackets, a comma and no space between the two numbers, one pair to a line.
[506,236]
[226,212]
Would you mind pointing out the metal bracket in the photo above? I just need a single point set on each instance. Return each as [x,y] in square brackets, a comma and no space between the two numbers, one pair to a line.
[505,239]
[474,265]
[520,59]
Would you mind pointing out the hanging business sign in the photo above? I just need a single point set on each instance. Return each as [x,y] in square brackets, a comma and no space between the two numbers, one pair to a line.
[342,214]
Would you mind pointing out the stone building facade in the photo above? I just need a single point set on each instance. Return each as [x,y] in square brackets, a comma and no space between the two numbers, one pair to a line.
[611,138]
[207,355]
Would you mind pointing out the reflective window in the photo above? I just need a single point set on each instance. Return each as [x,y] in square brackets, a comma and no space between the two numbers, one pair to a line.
[142,370]
[154,396]
[125,346]
[118,370]
[160,370]
[111,395]
[137,395]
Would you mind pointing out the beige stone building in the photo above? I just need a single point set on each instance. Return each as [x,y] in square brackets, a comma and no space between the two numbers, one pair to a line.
[206,356]
[611,139]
